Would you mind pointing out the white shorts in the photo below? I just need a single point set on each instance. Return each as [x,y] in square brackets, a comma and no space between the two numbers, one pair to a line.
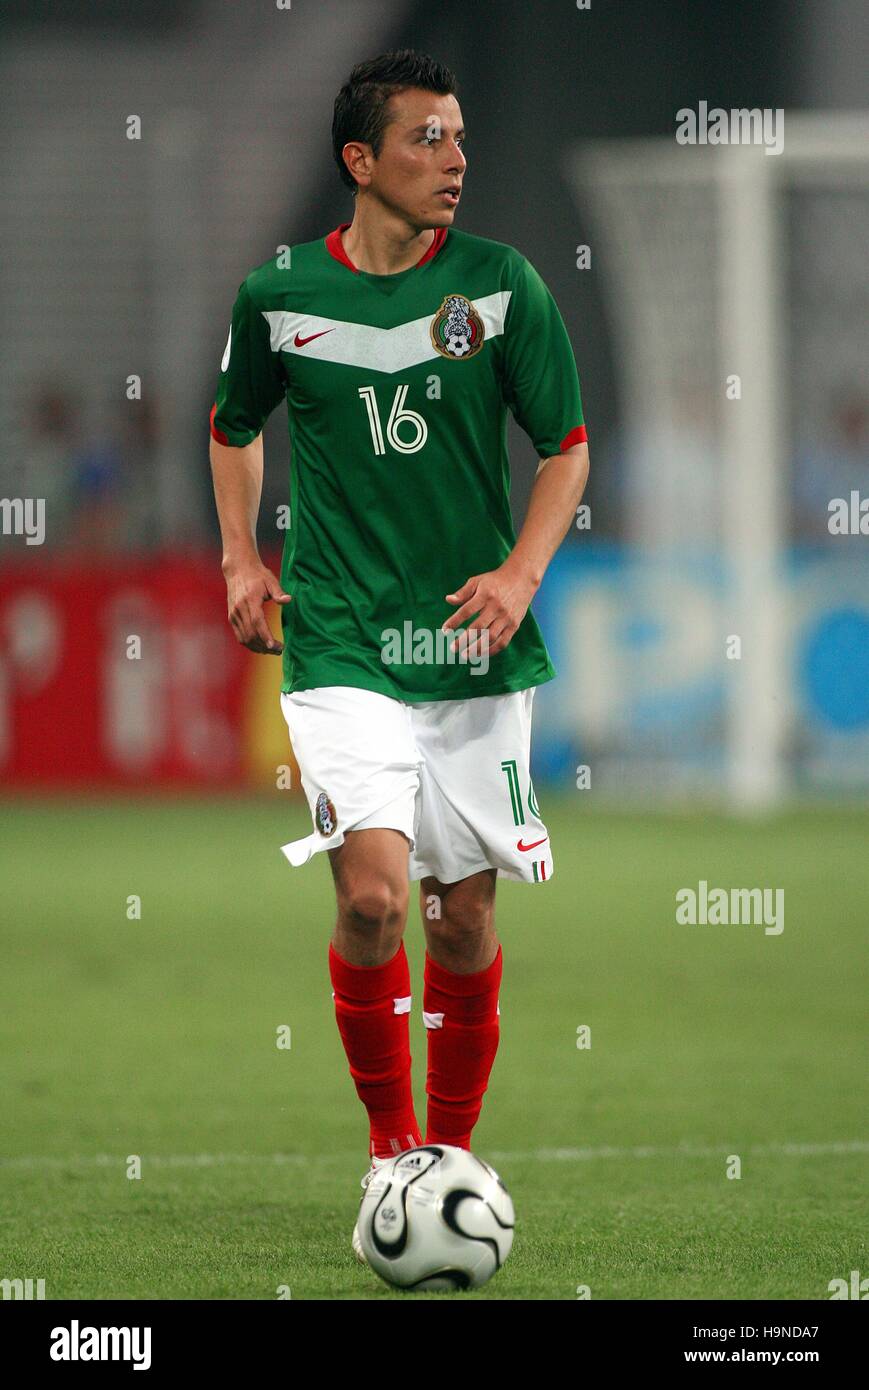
[452,776]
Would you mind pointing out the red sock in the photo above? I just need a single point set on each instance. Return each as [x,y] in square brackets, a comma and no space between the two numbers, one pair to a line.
[461,1016]
[372,1005]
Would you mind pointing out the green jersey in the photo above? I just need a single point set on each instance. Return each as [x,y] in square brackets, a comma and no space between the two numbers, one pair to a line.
[397,391]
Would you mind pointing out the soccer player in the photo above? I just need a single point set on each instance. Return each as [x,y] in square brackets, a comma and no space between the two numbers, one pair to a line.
[410,655]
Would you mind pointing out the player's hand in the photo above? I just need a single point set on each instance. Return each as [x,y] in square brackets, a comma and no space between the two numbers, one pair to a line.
[248,587]
[496,601]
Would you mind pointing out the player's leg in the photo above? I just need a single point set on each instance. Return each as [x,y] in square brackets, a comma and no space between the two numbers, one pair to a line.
[460,1001]
[477,815]
[371,982]
[371,890]
[459,922]
[359,771]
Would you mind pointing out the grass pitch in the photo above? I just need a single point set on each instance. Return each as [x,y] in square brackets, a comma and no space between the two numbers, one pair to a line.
[156,1038]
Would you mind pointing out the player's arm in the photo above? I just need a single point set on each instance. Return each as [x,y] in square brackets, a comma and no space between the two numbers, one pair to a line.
[502,597]
[249,387]
[237,474]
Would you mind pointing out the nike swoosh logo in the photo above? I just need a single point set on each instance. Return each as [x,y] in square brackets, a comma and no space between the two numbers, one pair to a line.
[524,848]
[299,341]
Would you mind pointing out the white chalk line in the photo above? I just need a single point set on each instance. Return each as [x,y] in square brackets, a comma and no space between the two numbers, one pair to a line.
[563,1155]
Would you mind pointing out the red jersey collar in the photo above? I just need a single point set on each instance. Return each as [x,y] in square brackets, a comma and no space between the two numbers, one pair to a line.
[335,247]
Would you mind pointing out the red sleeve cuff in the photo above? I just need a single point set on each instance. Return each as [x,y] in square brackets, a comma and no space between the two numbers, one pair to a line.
[215,432]
[579,435]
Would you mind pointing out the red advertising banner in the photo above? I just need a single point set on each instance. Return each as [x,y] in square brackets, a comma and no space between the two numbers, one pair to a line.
[128,674]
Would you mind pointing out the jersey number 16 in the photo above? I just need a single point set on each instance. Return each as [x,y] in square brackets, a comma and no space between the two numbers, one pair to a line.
[397,416]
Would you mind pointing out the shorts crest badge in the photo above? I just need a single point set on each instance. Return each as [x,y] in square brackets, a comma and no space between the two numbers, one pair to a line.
[457,329]
[325,818]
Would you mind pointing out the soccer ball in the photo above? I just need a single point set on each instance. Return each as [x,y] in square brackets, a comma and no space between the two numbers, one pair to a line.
[458,345]
[436,1217]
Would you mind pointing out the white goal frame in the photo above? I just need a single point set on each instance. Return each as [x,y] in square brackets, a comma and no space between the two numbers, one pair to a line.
[819,150]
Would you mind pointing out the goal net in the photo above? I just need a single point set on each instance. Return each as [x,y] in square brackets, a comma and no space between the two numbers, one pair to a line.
[735,284]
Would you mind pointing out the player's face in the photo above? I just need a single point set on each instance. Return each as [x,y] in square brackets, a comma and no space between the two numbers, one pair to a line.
[421,166]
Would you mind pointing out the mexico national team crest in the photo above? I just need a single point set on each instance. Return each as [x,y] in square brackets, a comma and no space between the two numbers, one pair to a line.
[457,329]
[325,818]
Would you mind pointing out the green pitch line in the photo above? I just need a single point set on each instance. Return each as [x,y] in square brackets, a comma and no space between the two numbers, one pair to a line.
[156,1038]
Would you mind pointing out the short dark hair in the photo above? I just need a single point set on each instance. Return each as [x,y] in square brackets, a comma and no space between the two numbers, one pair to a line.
[361,105]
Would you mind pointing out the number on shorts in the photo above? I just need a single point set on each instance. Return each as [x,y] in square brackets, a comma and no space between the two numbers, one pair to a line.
[512,773]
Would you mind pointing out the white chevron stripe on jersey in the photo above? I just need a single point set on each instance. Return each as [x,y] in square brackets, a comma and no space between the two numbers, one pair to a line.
[375,349]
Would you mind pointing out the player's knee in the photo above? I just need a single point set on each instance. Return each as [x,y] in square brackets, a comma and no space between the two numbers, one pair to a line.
[458,936]
[470,911]
[373,904]
[461,933]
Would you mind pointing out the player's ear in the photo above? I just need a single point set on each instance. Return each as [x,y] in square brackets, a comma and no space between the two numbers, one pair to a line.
[358,157]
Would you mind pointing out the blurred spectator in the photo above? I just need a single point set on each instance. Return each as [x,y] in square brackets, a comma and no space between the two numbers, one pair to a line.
[832,467]
[41,465]
[98,483]
[140,429]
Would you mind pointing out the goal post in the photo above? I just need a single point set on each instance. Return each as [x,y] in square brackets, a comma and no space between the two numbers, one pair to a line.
[691,244]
